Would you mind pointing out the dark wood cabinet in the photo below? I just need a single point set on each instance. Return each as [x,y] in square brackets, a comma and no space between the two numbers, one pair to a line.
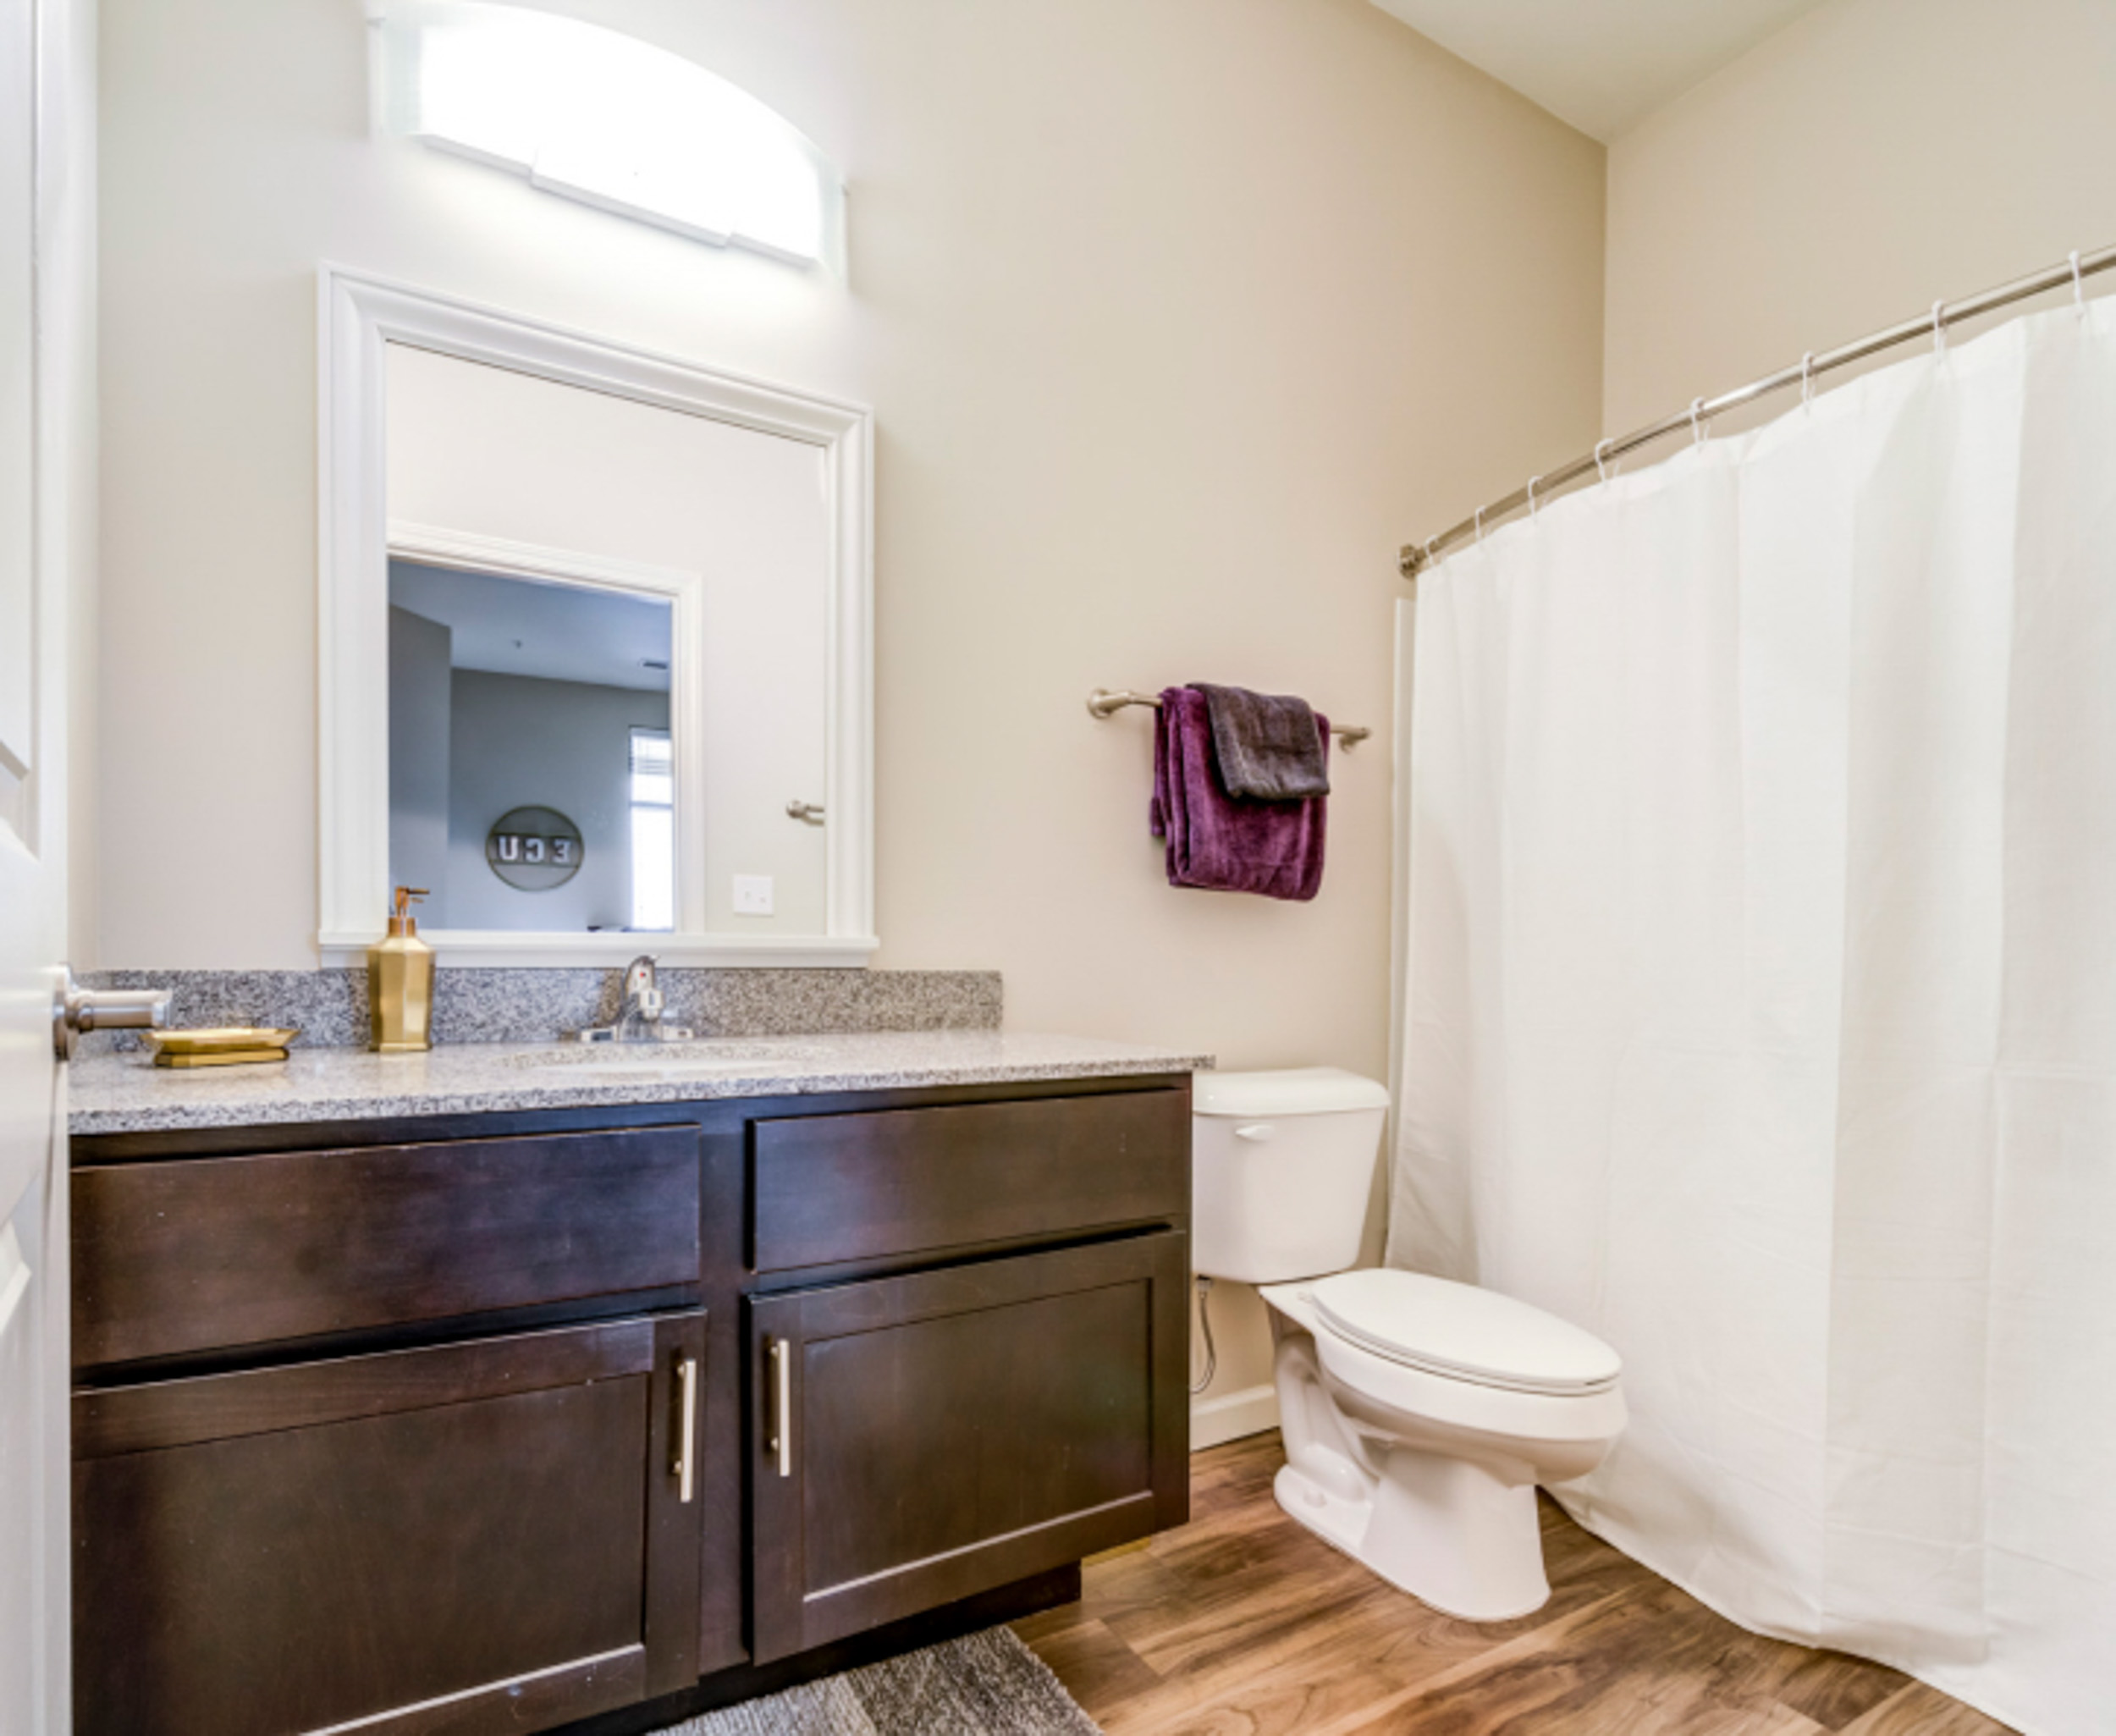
[175,1257]
[841,1188]
[377,1427]
[926,1438]
[491,1535]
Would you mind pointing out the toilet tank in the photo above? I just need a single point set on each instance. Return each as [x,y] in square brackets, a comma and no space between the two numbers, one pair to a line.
[1281,1167]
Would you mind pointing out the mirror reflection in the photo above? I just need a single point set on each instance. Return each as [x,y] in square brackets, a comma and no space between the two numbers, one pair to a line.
[609,649]
[531,781]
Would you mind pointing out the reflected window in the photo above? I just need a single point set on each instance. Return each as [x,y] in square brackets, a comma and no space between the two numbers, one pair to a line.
[653,831]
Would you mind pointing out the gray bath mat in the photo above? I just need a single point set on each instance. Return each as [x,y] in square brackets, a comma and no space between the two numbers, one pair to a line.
[986,1684]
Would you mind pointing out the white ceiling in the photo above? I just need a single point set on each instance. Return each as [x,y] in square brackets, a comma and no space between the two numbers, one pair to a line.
[1600,64]
[553,632]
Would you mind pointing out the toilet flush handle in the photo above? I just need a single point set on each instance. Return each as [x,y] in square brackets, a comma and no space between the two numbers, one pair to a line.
[1255,1131]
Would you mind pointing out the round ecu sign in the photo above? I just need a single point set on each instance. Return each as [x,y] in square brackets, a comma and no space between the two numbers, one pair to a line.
[534,849]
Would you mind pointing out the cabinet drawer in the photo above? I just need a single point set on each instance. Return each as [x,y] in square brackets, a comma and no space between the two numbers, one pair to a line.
[923,1438]
[215,1253]
[830,1189]
[477,1537]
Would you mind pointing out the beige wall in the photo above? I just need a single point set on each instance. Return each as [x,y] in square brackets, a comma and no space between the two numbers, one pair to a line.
[1177,317]
[1837,179]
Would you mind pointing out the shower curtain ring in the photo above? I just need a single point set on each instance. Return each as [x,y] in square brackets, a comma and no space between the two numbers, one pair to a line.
[1532,481]
[1602,458]
[1807,379]
[1480,523]
[1939,328]
[1697,421]
[2079,283]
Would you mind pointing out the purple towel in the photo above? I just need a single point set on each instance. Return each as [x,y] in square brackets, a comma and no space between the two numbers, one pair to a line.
[1219,841]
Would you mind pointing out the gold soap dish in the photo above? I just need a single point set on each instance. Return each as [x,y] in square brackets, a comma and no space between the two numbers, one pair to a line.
[222,1046]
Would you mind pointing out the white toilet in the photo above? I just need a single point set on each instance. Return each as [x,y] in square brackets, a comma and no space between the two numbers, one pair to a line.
[1419,1414]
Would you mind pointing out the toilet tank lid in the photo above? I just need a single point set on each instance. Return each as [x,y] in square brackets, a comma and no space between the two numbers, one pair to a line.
[1285,1091]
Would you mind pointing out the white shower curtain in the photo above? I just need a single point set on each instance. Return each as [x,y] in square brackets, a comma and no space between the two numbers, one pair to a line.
[1760,1002]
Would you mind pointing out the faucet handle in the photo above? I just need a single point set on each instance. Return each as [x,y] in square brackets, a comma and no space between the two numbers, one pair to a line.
[642,988]
[643,1005]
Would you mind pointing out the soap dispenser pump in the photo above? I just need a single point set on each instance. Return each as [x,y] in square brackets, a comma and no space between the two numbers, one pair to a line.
[400,981]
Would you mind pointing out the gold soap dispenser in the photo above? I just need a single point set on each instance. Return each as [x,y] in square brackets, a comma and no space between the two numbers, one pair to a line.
[400,981]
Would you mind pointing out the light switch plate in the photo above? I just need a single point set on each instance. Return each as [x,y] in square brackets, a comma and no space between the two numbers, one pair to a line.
[753,895]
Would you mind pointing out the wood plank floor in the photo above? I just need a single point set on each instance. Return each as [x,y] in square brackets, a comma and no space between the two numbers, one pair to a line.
[1242,1623]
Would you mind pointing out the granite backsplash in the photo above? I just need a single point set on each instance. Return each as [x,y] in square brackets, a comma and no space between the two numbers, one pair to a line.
[329,1007]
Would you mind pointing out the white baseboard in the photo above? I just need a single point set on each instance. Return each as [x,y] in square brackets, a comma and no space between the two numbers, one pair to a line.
[1232,1415]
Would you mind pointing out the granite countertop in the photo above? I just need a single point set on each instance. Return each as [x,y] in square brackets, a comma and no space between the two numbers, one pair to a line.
[126,1093]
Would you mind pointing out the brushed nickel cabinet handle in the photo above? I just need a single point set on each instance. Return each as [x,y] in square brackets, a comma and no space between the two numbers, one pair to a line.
[686,1465]
[781,1441]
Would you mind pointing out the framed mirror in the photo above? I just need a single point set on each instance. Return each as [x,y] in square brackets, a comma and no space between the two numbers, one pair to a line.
[596,646]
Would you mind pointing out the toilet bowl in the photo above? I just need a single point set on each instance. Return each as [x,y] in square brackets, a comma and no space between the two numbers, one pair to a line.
[1427,1473]
[1418,1415]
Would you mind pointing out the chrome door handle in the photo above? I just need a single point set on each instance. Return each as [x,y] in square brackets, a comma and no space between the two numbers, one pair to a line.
[781,1441]
[686,1464]
[809,812]
[75,1010]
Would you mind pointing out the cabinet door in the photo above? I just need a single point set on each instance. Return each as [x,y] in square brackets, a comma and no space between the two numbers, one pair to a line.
[919,1439]
[495,1534]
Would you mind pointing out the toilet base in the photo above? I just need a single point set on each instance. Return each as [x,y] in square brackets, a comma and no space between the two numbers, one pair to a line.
[1441,1512]
[1338,1522]
[1450,1534]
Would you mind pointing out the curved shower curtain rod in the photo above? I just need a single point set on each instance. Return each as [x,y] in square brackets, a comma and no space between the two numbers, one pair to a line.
[1416,556]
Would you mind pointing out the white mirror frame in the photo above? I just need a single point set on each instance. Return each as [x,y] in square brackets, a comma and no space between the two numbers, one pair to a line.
[357,316]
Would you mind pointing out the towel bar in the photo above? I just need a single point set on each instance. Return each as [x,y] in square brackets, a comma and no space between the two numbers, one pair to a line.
[1103,702]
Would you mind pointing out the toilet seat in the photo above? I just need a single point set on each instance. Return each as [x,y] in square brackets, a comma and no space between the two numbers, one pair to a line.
[1460,1333]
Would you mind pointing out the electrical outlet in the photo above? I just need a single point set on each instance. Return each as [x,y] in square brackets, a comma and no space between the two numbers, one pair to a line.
[753,895]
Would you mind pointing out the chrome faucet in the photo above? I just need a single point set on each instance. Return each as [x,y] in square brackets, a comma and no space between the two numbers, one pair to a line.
[639,1017]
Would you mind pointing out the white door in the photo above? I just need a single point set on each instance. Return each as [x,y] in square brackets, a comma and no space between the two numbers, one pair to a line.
[46,446]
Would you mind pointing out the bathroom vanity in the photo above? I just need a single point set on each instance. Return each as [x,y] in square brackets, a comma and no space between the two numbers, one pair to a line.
[480,1391]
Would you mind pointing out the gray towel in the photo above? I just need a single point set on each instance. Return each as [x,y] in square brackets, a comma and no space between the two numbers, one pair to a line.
[1269,746]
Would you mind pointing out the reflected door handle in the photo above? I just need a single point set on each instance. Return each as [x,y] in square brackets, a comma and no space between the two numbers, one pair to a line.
[75,1010]
[809,812]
